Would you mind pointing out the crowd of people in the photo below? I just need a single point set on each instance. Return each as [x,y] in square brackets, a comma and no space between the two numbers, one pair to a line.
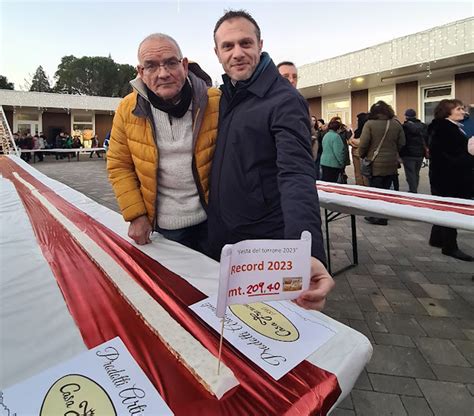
[447,143]
[63,140]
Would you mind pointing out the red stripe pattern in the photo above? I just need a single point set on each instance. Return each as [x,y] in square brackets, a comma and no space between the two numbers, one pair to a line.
[101,314]
[438,205]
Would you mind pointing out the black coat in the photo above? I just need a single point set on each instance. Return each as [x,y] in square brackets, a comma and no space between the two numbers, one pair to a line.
[450,163]
[416,136]
[262,181]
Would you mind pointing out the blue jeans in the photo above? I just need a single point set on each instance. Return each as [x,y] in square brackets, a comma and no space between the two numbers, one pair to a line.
[194,237]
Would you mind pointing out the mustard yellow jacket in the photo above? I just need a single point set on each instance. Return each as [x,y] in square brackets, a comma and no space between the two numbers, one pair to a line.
[132,158]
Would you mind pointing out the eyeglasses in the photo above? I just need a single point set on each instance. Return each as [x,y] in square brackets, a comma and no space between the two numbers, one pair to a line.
[170,65]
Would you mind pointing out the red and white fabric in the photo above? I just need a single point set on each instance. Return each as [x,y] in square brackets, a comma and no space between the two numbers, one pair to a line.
[55,304]
[361,200]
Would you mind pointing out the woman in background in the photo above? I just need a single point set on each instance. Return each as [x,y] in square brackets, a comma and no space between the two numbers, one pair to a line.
[354,143]
[450,169]
[381,125]
[333,155]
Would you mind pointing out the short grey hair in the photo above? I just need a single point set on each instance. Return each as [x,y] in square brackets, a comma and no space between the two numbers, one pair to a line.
[160,36]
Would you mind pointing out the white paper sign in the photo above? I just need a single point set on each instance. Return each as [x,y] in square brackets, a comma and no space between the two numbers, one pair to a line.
[102,381]
[276,336]
[263,270]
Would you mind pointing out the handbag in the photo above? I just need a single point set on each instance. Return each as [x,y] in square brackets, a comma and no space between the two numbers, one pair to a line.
[365,163]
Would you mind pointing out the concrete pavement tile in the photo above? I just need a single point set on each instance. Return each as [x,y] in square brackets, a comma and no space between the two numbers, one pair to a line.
[394,384]
[469,333]
[465,291]
[440,351]
[402,324]
[399,361]
[414,276]
[390,282]
[380,270]
[437,291]
[447,399]
[438,327]
[393,339]
[369,403]
[415,289]
[440,278]
[363,382]
[346,403]
[361,281]
[454,374]
[466,348]
[375,322]
[416,406]
[342,412]
[381,303]
[346,309]
[365,303]
[363,328]
[396,294]
[366,291]
[470,387]
[451,308]
[412,307]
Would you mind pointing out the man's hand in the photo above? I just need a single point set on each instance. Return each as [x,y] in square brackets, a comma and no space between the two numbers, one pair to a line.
[320,286]
[140,230]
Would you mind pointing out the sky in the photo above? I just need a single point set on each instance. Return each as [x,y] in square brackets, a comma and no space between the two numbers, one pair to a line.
[37,33]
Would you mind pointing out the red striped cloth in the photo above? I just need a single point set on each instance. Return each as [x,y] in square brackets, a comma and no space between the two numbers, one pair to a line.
[101,314]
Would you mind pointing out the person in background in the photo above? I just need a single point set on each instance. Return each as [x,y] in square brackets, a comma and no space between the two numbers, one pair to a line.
[381,125]
[95,144]
[333,158]
[354,142]
[450,169]
[320,130]
[289,71]
[415,149]
[262,181]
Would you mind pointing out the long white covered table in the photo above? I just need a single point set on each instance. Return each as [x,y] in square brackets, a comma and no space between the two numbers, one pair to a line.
[36,328]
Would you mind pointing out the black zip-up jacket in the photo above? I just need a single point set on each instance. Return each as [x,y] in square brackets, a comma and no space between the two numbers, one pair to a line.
[416,136]
[263,178]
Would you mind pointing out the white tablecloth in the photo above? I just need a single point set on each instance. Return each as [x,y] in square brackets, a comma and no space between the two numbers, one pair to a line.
[36,329]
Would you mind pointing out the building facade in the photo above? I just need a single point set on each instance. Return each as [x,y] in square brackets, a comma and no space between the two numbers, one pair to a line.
[415,71]
[50,114]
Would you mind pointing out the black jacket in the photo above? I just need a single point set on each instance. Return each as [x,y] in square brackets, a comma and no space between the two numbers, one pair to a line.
[262,181]
[416,136]
[450,163]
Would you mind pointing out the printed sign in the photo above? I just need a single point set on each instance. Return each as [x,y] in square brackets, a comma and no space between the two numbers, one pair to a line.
[256,270]
[102,381]
[276,336]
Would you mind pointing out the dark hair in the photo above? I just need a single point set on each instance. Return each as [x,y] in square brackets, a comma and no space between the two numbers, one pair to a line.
[287,63]
[334,124]
[321,120]
[444,108]
[381,110]
[361,120]
[234,14]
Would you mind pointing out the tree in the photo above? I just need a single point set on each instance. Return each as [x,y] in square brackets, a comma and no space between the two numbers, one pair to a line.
[5,85]
[40,81]
[96,75]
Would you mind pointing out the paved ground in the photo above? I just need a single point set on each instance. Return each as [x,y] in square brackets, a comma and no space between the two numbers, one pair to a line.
[414,304]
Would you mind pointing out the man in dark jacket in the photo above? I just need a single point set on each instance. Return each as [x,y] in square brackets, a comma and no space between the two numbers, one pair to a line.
[262,179]
[412,154]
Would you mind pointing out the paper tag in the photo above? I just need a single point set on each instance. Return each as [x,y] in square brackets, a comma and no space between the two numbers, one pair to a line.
[263,270]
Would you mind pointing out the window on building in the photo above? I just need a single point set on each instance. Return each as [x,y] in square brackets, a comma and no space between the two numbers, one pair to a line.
[338,108]
[386,96]
[431,96]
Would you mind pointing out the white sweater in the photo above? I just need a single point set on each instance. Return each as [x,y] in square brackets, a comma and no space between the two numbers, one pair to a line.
[178,204]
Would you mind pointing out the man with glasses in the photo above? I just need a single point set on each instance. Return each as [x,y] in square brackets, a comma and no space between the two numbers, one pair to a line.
[161,146]
[263,176]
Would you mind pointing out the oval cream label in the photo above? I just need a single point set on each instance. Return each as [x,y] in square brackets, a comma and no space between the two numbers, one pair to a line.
[74,395]
[267,321]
